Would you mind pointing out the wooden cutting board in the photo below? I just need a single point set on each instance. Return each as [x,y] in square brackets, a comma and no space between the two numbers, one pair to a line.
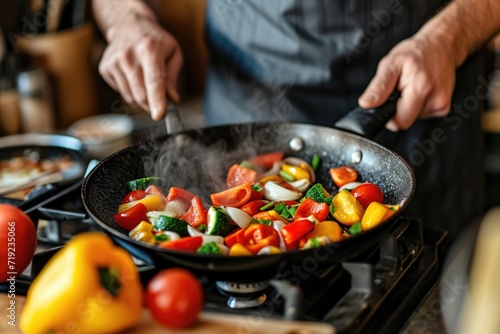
[209,322]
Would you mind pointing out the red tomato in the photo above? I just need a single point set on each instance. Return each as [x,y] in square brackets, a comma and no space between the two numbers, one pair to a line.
[131,217]
[175,298]
[343,175]
[238,175]
[17,241]
[366,193]
[267,160]
[134,195]
[234,197]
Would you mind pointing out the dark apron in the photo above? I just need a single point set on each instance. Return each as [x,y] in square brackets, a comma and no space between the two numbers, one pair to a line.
[309,61]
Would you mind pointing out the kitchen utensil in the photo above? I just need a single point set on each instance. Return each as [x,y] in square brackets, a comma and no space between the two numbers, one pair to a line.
[198,160]
[172,120]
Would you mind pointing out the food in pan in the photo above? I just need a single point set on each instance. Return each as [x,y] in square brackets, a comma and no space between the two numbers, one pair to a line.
[22,169]
[272,204]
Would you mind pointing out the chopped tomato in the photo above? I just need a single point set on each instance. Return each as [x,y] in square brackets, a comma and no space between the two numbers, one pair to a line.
[367,193]
[134,195]
[235,197]
[131,217]
[188,244]
[253,207]
[196,214]
[310,207]
[237,175]
[267,160]
[343,175]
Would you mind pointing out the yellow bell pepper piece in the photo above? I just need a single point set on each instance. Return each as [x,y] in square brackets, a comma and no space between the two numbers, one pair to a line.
[239,250]
[348,210]
[89,286]
[297,172]
[392,210]
[143,232]
[374,215]
[327,228]
[152,202]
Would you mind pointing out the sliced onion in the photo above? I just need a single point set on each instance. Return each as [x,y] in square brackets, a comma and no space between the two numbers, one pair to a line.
[240,217]
[303,164]
[278,225]
[178,206]
[273,171]
[224,250]
[193,232]
[350,186]
[275,192]
[301,185]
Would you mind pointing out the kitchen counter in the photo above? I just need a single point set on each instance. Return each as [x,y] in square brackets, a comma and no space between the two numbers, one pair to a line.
[208,323]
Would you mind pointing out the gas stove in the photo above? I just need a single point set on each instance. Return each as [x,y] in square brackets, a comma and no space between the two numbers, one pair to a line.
[375,292]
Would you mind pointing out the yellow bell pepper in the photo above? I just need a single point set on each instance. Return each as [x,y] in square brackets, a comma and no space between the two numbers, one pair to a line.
[375,214]
[152,202]
[239,250]
[297,172]
[347,209]
[143,232]
[328,229]
[89,286]
[392,210]
[266,179]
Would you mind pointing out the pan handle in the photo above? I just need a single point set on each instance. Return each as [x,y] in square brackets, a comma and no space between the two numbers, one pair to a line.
[369,122]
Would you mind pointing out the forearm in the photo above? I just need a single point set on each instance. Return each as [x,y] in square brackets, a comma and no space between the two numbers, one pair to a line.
[110,14]
[464,25]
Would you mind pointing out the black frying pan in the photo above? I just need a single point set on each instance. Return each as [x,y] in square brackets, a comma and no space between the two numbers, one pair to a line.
[46,146]
[198,160]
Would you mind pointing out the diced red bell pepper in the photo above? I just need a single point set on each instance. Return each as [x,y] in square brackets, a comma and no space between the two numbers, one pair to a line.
[267,160]
[179,193]
[236,237]
[343,175]
[238,175]
[294,231]
[234,197]
[256,195]
[130,218]
[188,244]
[253,207]
[196,214]
[310,207]
[258,236]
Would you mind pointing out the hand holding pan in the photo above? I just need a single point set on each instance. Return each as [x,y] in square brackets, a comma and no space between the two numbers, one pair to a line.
[369,122]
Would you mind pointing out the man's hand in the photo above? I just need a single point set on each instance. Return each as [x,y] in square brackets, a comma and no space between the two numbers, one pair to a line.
[423,67]
[423,72]
[142,62]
